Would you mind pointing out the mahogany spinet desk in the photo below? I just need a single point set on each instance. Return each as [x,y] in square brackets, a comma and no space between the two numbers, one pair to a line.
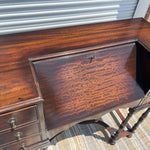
[53,79]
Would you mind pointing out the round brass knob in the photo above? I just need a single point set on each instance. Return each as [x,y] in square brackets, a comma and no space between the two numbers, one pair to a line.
[22,146]
[18,136]
[12,123]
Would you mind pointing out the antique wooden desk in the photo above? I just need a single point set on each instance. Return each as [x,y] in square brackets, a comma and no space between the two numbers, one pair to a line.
[53,79]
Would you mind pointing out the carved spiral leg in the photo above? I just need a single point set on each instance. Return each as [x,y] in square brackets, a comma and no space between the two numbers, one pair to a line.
[121,127]
[144,115]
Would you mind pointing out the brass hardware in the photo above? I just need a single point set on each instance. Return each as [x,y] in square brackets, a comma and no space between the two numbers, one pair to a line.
[22,147]
[18,136]
[91,58]
[12,122]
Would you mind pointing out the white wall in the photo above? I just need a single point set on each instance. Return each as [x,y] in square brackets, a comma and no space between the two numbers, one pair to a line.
[142,8]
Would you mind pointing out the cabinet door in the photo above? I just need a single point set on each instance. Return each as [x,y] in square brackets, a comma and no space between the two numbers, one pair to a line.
[75,86]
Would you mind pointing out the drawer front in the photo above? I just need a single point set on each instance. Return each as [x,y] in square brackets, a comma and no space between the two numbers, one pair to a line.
[23,143]
[19,134]
[31,140]
[78,85]
[19,117]
[11,147]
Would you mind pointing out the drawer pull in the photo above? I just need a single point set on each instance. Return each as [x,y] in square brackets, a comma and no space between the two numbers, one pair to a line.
[23,146]
[18,136]
[12,122]
[91,58]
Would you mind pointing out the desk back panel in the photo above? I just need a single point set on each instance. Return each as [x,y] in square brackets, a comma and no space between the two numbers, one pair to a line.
[75,86]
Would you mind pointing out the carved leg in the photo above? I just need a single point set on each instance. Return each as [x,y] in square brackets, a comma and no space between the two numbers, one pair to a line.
[121,127]
[120,132]
[129,135]
[144,115]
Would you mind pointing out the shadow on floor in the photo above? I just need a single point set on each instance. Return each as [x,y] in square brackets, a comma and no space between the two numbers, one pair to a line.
[86,130]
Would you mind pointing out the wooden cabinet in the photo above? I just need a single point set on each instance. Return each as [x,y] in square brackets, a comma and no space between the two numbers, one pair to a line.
[52,79]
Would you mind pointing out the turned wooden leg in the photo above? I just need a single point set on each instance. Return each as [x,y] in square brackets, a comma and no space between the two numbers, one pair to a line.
[121,127]
[144,115]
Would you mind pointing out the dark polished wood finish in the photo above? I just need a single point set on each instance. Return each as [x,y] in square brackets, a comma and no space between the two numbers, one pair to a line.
[26,142]
[143,116]
[120,132]
[15,50]
[29,128]
[111,63]
[9,137]
[71,82]
[22,117]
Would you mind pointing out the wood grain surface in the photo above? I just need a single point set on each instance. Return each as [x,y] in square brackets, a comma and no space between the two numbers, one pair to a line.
[22,117]
[75,87]
[35,139]
[10,137]
[82,70]
[16,79]
[17,86]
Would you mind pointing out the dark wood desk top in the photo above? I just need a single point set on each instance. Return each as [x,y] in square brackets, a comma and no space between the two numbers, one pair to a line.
[16,79]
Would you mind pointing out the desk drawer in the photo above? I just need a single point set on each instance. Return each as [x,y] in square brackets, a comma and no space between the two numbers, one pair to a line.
[20,117]
[25,142]
[14,146]
[18,134]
